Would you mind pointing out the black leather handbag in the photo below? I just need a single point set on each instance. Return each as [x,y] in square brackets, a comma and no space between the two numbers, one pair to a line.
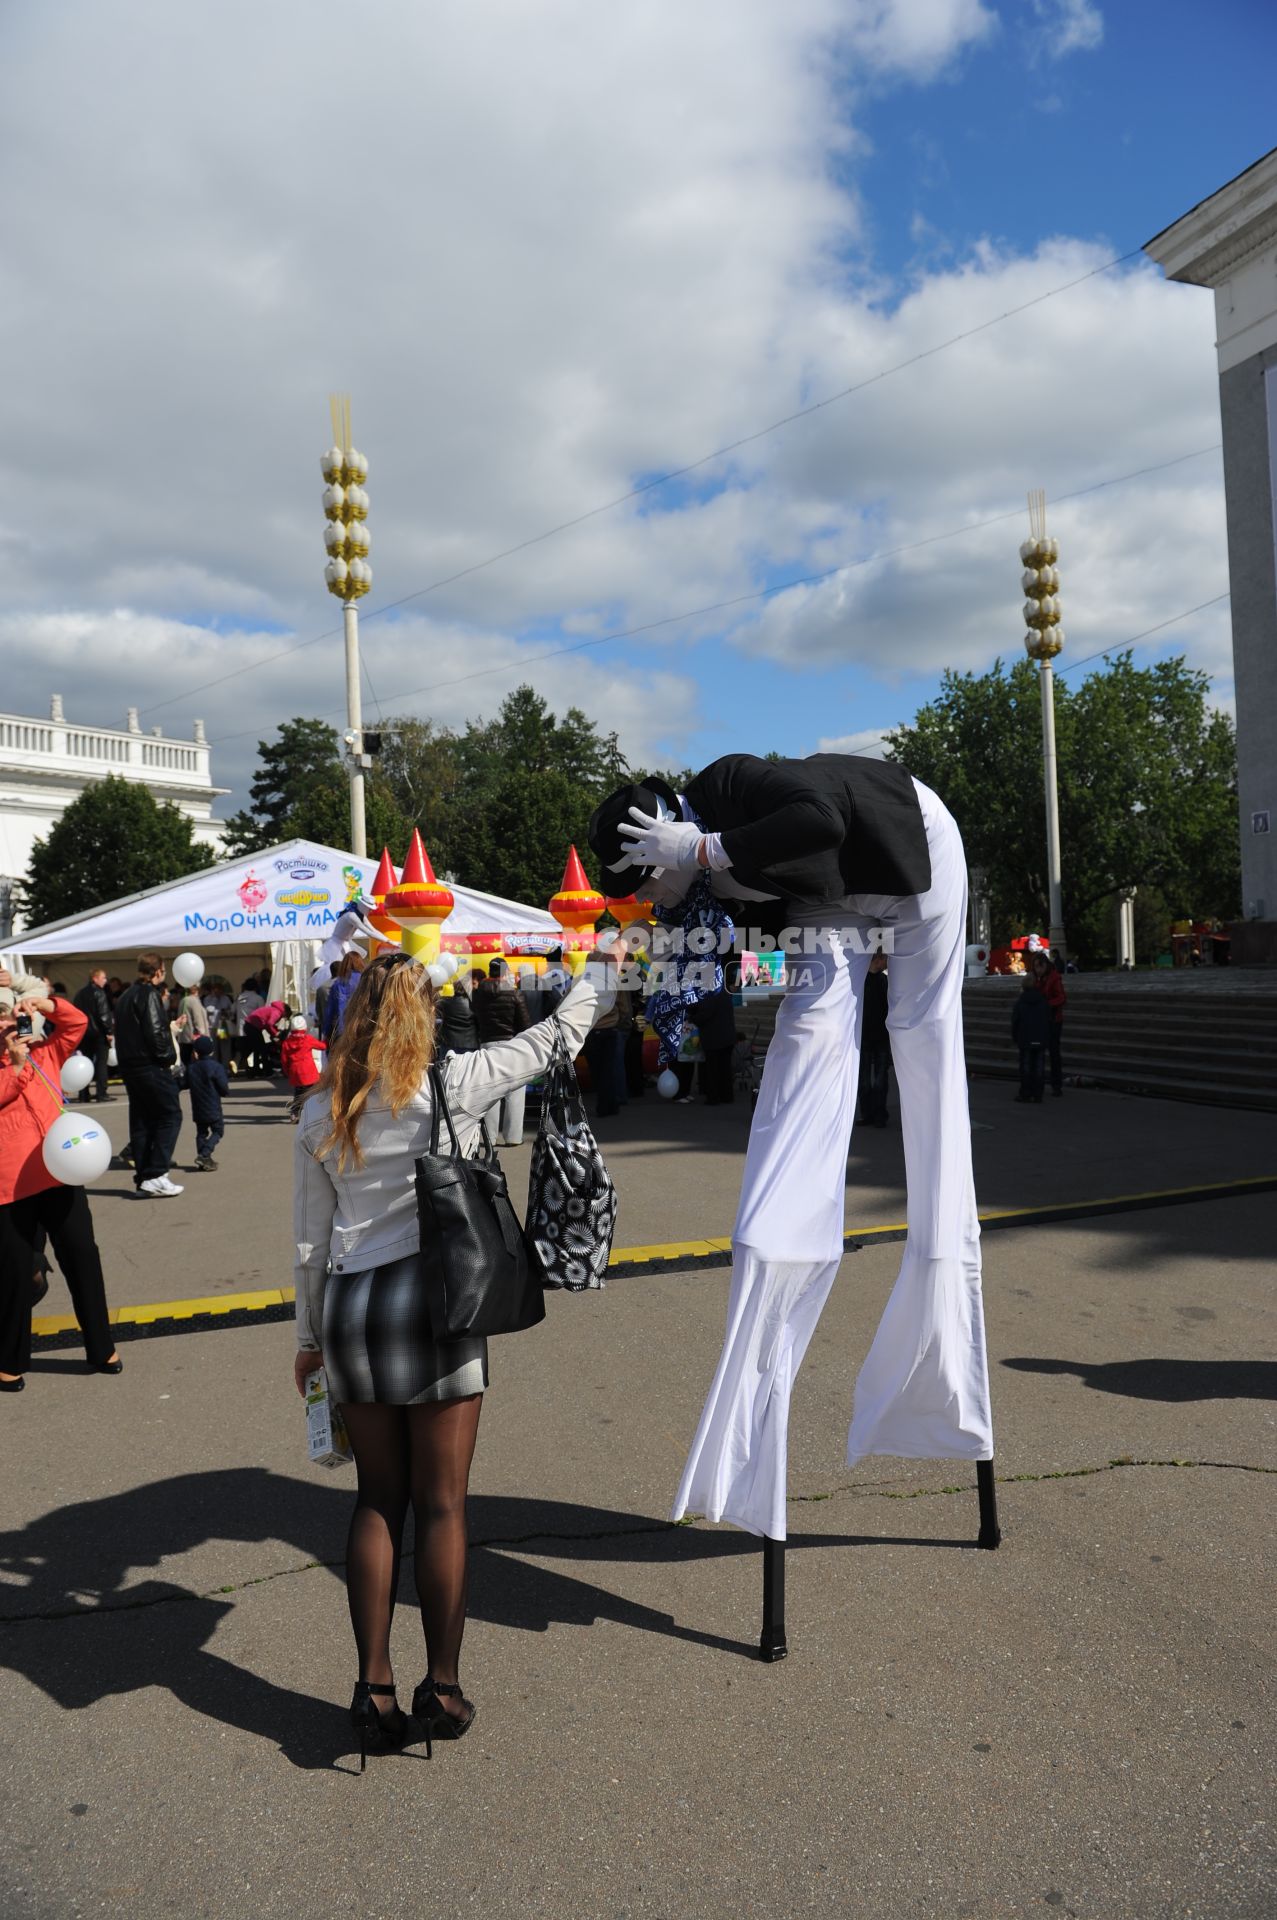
[474,1265]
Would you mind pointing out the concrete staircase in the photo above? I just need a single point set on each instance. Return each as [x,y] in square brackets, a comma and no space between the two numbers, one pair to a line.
[1209,1037]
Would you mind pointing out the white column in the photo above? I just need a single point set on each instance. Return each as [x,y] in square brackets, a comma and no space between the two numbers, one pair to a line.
[1047,682]
[354,723]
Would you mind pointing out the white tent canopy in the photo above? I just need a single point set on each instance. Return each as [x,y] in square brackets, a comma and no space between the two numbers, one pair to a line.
[285,896]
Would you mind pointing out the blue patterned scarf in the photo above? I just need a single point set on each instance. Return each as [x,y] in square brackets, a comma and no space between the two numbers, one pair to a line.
[666,1009]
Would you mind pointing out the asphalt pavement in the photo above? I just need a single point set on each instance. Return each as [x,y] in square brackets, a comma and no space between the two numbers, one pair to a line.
[1079,1723]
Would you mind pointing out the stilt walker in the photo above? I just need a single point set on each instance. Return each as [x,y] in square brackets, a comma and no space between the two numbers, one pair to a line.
[836,854]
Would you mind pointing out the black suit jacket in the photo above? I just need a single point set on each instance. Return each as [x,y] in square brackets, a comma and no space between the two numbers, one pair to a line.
[813,831]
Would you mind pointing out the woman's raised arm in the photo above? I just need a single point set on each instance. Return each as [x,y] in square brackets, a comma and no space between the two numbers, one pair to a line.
[476,1081]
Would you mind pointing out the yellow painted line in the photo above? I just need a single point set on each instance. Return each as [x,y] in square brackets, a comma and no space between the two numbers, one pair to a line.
[672,1250]
[223,1303]
[174,1310]
[1129,1199]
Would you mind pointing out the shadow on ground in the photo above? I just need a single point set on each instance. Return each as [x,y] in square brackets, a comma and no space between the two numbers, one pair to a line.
[73,1625]
[1173,1380]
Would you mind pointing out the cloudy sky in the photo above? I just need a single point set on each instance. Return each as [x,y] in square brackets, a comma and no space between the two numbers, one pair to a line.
[557,250]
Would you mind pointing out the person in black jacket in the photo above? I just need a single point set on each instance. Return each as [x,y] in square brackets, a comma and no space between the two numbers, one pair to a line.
[1031,1031]
[146,1055]
[875,1046]
[714,1018]
[206,1080]
[94,1004]
[501,1012]
[836,856]
[455,1028]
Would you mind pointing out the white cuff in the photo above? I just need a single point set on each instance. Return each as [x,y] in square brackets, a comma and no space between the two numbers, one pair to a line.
[715,859]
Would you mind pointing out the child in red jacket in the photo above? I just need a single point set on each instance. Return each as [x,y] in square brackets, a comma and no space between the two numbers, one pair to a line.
[299,1055]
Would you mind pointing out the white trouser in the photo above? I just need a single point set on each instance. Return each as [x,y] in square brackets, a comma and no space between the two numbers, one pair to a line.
[505,1120]
[923,1391]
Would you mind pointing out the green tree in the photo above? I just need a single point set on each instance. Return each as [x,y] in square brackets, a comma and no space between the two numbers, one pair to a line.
[115,839]
[498,804]
[301,761]
[421,767]
[527,783]
[301,790]
[1147,789]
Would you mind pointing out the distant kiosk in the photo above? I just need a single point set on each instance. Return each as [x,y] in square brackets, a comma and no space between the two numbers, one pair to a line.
[1229,242]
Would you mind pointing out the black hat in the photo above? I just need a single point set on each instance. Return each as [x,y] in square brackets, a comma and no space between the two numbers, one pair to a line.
[611,847]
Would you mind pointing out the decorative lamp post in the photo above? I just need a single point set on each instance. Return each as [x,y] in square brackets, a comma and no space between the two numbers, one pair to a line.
[419,904]
[349,577]
[576,906]
[1043,640]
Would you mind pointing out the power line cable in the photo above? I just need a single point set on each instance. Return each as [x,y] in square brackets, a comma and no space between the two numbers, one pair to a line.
[1116,647]
[1119,644]
[765,593]
[664,479]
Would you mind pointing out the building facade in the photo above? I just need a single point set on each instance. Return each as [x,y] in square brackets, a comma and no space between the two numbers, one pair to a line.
[46,764]
[1229,243]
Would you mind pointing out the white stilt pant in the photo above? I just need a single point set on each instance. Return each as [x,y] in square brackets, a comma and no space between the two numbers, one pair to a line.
[923,1391]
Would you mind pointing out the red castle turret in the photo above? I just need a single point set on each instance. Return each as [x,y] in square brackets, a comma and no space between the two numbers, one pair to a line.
[420,902]
[384,882]
[576,906]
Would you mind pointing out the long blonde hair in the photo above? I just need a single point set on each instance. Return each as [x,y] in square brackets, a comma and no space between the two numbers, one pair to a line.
[388,1036]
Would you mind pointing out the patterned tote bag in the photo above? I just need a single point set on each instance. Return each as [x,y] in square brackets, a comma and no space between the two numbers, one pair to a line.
[571,1213]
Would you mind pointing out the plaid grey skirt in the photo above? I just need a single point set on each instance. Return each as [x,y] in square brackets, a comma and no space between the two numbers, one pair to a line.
[377,1344]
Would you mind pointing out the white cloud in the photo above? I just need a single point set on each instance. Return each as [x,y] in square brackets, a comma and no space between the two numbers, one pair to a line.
[870,743]
[550,250]
[1067,26]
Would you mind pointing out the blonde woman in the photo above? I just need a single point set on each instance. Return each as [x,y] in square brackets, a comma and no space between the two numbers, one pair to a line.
[411,1406]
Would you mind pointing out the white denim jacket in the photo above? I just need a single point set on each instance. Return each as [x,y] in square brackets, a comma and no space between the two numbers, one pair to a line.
[367,1216]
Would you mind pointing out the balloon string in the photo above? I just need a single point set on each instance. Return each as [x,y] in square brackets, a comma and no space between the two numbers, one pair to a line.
[62,1105]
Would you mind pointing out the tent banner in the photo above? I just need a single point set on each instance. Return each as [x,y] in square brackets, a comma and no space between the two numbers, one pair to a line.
[295,891]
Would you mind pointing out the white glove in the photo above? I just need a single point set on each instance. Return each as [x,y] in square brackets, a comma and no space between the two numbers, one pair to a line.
[661,843]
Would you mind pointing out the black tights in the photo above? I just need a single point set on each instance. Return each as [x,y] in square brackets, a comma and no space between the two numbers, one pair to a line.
[420,1455]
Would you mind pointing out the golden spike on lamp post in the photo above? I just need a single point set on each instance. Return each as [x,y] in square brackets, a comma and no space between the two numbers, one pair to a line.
[349,577]
[1042,641]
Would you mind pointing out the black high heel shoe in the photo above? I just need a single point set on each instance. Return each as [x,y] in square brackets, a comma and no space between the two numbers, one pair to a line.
[434,1716]
[389,1729]
[105,1366]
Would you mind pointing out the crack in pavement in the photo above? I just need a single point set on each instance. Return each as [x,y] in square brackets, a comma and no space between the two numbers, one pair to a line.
[861,1491]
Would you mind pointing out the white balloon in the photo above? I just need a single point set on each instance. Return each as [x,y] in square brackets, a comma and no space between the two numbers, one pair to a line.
[188,969]
[449,964]
[76,1073]
[667,1085]
[76,1149]
[436,975]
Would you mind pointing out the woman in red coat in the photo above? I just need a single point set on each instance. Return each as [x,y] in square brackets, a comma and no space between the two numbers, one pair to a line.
[33,1205]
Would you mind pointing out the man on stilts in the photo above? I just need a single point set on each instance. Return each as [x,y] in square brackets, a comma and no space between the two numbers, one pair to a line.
[839,854]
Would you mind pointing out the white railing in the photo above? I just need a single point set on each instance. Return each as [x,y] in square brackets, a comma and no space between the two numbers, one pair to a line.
[157,754]
[110,749]
[97,746]
[18,733]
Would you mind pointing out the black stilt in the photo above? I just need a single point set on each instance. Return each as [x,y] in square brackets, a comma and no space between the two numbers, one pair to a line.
[990,1532]
[772,1645]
